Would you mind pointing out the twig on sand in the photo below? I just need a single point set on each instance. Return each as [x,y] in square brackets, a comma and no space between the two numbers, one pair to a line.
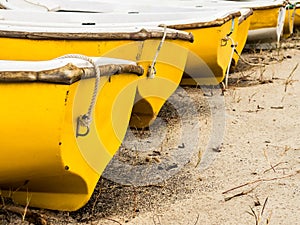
[262,180]
[240,194]
[289,79]
[197,219]
[277,107]
[267,158]
[250,63]
[264,206]
[32,217]
[252,213]
[250,97]
[262,70]
[199,158]
[273,167]
[27,204]
[113,220]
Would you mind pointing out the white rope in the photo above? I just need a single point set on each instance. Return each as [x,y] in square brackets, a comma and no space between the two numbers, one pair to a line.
[151,71]
[280,24]
[231,56]
[86,119]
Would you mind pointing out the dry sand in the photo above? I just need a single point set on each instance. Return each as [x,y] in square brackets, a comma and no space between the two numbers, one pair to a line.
[254,174]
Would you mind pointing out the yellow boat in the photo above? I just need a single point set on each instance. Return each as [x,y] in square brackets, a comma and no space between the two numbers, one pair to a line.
[265,12]
[211,51]
[242,34]
[52,38]
[293,15]
[265,16]
[267,21]
[297,17]
[48,159]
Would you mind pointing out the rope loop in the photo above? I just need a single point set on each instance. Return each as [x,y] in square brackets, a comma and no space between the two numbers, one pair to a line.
[86,119]
[151,70]
[233,46]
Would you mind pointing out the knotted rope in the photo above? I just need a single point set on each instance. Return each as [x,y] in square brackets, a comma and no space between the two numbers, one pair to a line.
[86,119]
[152,71]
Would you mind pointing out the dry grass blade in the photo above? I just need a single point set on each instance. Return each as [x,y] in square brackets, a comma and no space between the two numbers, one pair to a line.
[240,194]
[269,219]
[250,97]
[277,107]
[261,74]
[264,206]
[250,63]
[199,158]
[197,220]
[259,217]
[288,80]
[26,207]
[31,217]
[115,221]
[252,213]
[267,158]
[261,180]
[273,167]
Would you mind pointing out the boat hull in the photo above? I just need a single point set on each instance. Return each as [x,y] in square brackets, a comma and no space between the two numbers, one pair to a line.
[264,24]
[296,18]
[210,54]
[43,163]
[264,17]
[154,92]
[241,39]
[169,66]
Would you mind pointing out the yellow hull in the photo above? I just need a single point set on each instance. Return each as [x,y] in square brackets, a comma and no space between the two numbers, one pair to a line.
[154,92]
[169,67]
[297,17]
[42,162]
[210,57]
[264,18]
[241,39]
[288,22]
[267,17]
